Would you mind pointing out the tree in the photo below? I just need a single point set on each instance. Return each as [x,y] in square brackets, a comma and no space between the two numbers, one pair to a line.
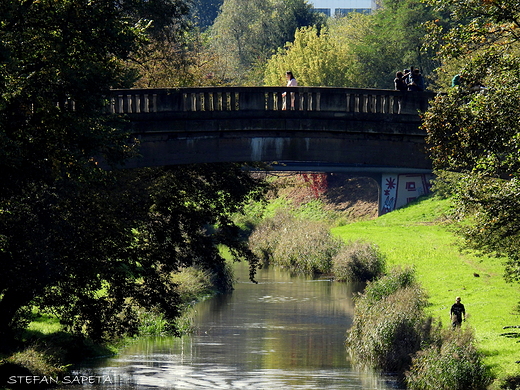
[246,33]
[204,12]
[358,50]
[474,128]
[128,238]
[320,57]
[72,234]
[394,42]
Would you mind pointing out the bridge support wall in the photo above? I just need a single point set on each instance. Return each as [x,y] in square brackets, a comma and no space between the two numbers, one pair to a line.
[398,189]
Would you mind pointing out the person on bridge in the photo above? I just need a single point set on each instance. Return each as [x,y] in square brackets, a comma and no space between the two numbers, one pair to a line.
[416,81]
[457,313]
[399,82]
[291,82]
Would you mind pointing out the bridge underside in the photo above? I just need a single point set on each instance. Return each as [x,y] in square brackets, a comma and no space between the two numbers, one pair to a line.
[376,141]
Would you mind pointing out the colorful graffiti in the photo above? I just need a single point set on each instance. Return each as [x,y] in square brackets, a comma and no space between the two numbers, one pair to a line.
[398,190]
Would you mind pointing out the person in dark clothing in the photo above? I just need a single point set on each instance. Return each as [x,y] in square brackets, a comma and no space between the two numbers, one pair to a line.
[399,82]
[457,313]
[416,81]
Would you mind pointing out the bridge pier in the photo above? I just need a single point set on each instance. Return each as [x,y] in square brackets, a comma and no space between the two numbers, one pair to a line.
[398,189]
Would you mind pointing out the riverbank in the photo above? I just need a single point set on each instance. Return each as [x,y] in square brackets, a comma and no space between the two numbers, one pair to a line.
[420,236]
[45,349]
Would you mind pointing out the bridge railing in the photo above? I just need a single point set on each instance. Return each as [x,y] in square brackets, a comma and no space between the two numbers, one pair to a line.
[323,99]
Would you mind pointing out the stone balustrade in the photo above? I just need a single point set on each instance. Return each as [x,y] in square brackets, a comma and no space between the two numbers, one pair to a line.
[324,99]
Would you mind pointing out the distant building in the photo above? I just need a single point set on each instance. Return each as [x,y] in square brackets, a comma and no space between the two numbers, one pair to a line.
[343,7]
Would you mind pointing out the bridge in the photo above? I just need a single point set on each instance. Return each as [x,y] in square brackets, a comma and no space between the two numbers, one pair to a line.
[369,132]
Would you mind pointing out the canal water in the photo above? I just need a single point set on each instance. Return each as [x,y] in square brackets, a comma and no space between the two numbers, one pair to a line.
[282,333]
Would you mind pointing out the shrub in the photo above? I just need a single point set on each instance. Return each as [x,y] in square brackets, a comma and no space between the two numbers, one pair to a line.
[301,246]
[389,323]
[451,363]
[358,261]
[398,278]
[265,238]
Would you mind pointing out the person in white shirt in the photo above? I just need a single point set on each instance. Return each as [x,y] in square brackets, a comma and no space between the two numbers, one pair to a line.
[291,82]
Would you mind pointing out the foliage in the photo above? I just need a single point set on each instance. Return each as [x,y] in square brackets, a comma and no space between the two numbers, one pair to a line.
[476,132]
[281,241]
[358,262]
[176,62]
[450,363]
[394,42]
[357,50]
[474,128]
[315,58]
[246,33]
[389,322]
[476,24]
[91,246]
[444,185]
[204,12]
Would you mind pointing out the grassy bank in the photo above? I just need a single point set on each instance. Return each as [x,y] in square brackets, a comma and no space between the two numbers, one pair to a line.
[417,236]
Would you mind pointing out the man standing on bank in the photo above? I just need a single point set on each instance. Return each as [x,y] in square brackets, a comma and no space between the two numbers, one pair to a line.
[457,313]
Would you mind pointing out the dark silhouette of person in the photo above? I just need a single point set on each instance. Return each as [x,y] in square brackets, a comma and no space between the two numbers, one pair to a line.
[400,82]
[416,81]
[457,313]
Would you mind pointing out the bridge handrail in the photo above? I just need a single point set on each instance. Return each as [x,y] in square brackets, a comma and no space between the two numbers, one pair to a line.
[325,99]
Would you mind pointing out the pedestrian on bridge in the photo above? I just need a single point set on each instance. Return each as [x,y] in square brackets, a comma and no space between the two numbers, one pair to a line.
[399,82]
[291,82]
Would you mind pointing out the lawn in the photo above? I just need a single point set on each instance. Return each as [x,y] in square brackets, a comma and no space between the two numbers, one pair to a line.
[416,236]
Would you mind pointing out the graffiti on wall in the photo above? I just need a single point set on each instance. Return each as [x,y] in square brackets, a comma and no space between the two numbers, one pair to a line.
[398,190]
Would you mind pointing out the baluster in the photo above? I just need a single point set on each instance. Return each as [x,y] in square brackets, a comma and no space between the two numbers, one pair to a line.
[234,101]
[119,104]
[198,101]
[137,100]
[154,102]
[270,103]
[379,104]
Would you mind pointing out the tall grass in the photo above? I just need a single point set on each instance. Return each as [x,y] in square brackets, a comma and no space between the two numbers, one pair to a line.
[389,322]
[282,241]
[358,261]
[452,362]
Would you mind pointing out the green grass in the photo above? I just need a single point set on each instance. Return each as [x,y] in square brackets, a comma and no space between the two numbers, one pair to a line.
[416,236]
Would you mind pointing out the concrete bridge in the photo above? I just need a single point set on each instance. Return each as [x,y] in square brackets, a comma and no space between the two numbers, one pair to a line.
[368,132]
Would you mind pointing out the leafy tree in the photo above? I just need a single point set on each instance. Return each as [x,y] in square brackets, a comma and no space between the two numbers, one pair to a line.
[394,42]
[134,234]
[475,130]
[359,50]
[58,59]
[320,57]
[204,12]
[246,33]
[85,243]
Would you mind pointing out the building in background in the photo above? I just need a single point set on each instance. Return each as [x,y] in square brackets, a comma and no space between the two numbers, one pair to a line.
[343,7]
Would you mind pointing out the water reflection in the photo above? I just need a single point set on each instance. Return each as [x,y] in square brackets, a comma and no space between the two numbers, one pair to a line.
[284,332]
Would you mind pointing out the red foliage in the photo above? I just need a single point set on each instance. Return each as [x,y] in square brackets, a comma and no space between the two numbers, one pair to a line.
[318,182]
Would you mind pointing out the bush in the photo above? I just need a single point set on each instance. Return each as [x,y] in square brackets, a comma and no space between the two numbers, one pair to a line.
[301,246]
[389,323]
[451,363]
[358,262]
[266,236]
[397,279]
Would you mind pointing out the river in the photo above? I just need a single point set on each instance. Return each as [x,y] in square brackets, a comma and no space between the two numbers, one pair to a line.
[282,333]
